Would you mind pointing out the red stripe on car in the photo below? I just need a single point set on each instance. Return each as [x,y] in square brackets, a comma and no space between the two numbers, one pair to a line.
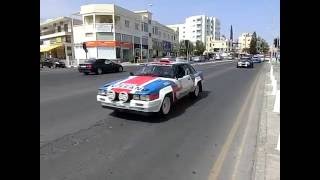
[118,90]
[139,80]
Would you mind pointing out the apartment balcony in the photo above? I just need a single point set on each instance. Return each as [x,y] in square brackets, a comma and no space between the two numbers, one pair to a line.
[104,27]
[99,27]
[55,34]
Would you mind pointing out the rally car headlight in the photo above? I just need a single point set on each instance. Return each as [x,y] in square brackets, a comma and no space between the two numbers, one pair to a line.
[111,95]
[136,97]
[102,92]
[149,97]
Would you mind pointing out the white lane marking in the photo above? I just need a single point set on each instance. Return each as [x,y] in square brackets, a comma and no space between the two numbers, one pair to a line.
[276,107]
[278,144]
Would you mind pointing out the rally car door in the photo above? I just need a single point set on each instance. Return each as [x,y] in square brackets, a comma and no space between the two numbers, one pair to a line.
[184,80]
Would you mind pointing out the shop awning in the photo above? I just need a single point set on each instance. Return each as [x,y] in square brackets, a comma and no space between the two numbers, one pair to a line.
[49,47]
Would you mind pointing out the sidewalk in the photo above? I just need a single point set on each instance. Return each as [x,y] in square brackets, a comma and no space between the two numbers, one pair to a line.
[267,163]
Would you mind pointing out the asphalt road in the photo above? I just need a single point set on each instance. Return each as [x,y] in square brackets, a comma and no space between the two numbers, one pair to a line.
[212,137]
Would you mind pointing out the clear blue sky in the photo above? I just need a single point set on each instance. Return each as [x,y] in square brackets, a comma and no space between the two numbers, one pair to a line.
[262,16]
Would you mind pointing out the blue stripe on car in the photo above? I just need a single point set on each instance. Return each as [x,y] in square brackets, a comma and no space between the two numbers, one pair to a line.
[155,86]
[110,83]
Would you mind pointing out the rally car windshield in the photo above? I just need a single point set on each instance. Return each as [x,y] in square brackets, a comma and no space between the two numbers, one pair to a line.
[156,70]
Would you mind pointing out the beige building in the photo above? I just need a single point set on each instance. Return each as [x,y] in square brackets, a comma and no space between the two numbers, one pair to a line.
[56,38]
[244,41]
[213,45]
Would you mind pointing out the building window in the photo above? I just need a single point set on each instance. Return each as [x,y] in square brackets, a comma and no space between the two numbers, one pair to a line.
[118,52]
[88,20]
[136,26]
[136,40]
[145,27]
[69,51]
[41,42]
[68,39]
[104,36]
[149,21]
[127,23]
[89,34]
[65,28]
[126,38]
[59,28]
[118,37]
[104,19]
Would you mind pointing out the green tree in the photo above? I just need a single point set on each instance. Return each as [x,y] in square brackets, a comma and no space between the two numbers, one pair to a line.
[200,48]
[246,50]
[185,47]
[253,44]
[264,46]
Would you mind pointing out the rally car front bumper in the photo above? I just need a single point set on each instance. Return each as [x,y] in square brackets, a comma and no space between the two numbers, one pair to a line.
[132,105]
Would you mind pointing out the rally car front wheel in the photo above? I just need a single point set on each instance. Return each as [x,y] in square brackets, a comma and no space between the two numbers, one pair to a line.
[166,105]
[196,91]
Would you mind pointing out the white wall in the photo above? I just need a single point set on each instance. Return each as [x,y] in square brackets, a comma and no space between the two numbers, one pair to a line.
[106,53]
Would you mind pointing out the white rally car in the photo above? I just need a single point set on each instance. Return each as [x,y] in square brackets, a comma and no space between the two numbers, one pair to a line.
[154,88]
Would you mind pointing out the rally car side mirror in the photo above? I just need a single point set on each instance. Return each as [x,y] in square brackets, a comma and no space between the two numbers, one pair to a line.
[131,73]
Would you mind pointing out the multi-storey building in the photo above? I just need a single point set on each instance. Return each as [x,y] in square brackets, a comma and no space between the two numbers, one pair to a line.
[113,32]
[244,41]
[198,28]
[221,45]
[56,38]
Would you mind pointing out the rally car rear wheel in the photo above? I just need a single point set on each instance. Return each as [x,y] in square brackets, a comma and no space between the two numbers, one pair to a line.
[166,105]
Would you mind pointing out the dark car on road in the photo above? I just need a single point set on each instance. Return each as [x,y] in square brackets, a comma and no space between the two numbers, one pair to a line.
[52,63]
[99,66]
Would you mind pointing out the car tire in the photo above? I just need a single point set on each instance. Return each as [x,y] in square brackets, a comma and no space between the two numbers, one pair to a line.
[166,106]
[99,71]
[120,69]
[195,94]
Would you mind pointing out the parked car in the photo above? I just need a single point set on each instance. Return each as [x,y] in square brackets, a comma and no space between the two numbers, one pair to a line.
[256,59]
[181,59]
[218,57]
[245,62]
[99,66]
[153,89]
[198,58]
[229,57]
[52,63]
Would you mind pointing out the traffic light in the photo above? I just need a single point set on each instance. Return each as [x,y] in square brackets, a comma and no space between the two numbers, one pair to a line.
[275,42]
[84,46]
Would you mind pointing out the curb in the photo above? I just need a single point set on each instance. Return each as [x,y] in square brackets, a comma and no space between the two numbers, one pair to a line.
[265,161]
